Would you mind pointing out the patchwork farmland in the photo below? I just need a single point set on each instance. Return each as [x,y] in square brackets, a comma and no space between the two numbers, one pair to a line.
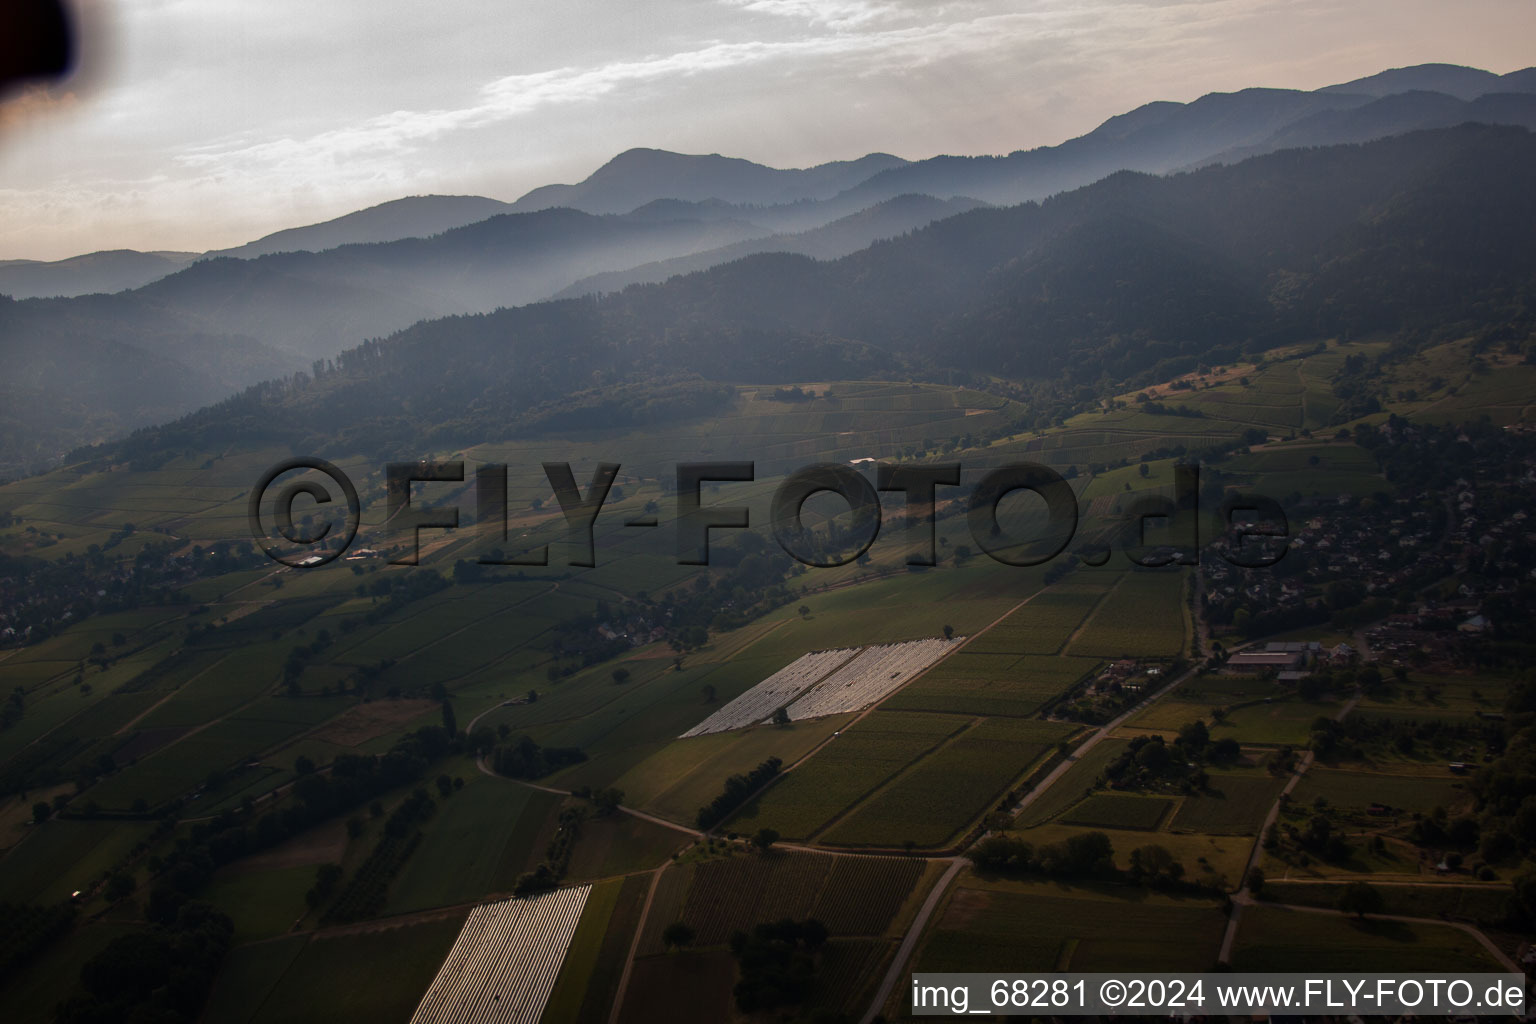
[504,964]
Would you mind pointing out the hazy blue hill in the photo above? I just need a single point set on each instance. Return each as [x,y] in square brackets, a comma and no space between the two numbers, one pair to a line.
[640,176]
[1164,136]
[92,367]
[1451,79]
[192,337]
[1156,138]
[120,269]
[690,213]
[1133,277]
[839,238]
[1394,114]
[108,271]
[316,304]
[411,217]
[1523,80]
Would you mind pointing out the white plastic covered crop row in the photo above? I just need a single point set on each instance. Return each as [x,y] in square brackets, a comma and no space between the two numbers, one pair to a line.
[772,693]
[869,677]
[502,967]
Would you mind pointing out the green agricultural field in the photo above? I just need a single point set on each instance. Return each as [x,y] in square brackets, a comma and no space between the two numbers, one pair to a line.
[62,855]
[1046,926]
[1143,617]
[851,766]
[373,975]
[863,894]
[619,844]
[581,957]
[1217,860]
[262,904]
[686,774]
[247,977]
[1230,804]
[1116,810]
[1274,939]
[1309,467]
[1454,698]
[231,678]
[1486,904]
[909,606]
[1076,783]
[850,970]
[1402,793]
[666,905]
[1214,691]
[946,791]
[690,987]
[992,684]
[736,892]
[1271,723]
[481,838]
[587,1000]
[1040,627]
[181,768]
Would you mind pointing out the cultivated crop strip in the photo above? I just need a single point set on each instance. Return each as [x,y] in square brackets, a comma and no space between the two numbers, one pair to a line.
[502,968]
[772,693]
[869,677]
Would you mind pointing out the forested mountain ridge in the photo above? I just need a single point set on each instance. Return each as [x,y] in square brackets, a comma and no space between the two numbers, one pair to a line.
[224,323]
[1132,277]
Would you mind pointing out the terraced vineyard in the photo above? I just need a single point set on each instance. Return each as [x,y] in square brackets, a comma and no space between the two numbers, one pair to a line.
[504,964]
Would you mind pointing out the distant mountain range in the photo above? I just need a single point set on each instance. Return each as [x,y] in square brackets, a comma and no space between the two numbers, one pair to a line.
[1133,279]
[1158,137]
[217,321]
[111,270]
[411,217]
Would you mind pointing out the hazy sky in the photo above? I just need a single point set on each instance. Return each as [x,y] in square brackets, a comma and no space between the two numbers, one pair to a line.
[198,124]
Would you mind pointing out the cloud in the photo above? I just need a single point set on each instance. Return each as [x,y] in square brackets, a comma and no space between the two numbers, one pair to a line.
[403,131]
[515,95]
[833,13]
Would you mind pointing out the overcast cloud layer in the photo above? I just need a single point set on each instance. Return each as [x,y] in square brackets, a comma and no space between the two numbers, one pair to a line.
[199,125]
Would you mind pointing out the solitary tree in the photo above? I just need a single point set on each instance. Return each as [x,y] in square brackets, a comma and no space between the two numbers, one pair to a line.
[607,800]
[709,693]
[677,935]
[621,675]
[949,632]
[1360,898]
[764,839]
[781,716]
